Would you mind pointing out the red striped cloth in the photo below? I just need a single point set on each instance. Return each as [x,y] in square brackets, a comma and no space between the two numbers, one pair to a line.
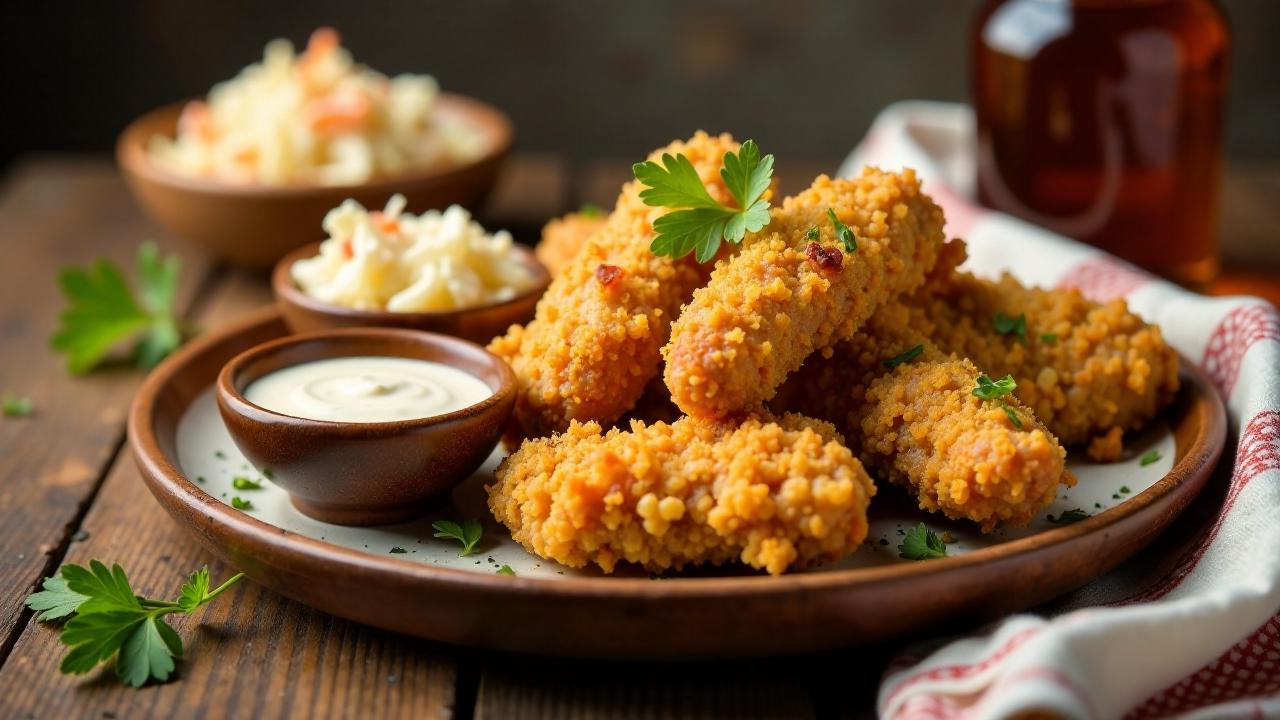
[1199,638]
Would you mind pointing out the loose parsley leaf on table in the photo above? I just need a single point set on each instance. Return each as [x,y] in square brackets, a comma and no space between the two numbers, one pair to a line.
[906,356]
[1018,326]
[921,543]
[699,223]
[995,390]
[110,620]
[16,407]
[468,533]
[103,312]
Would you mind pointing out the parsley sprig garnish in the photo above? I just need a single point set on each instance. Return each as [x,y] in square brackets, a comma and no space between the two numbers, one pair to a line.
[468,533]
[1006,325]
[995,391]
[110,620]
[906,356]
[921,543]
[699,223]
[102,311]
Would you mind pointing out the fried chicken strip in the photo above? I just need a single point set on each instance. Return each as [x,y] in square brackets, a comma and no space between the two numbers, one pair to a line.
[784,295]
[563,237]
[597,335]
[920,426]
[1085,368]
[775,495]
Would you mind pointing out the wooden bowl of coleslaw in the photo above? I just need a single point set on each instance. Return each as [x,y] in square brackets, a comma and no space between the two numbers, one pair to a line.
[254,225]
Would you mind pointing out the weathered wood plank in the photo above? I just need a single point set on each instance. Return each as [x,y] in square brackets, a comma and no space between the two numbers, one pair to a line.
[515,687]
[55,213]
[250,654]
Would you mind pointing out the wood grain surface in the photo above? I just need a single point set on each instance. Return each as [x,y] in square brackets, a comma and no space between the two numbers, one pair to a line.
[68,494]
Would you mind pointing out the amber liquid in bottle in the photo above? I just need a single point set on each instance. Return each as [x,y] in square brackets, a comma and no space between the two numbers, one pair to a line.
[1102,120]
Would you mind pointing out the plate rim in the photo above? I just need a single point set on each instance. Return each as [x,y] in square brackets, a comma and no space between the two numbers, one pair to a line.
[162,475]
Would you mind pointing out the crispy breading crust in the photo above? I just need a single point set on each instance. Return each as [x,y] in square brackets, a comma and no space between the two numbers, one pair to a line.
[960,455]
[775,495]
[769,306]
[563,237]
[921,427]
[1103,367]
[597,335]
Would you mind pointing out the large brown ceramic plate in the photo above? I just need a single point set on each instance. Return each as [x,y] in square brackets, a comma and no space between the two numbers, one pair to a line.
[549,611]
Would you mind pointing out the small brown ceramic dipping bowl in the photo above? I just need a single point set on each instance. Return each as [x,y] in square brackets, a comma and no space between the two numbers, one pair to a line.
[303,313]
[255,225]
[365,473]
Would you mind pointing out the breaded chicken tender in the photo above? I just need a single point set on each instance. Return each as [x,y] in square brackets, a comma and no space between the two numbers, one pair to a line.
[786,294]
[597,335]
[775,495]
[563,237]
[920,426]
[1085,367]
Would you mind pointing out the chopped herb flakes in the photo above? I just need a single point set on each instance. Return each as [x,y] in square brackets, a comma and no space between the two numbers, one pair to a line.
[906,356]
[811,234]
[1149,457]
[240,482]
[995,390]
[1124,490]
[1017,326]
[397,551]
[1049,338]
[240,503]
[506,570]
[845,235]
[1069,516]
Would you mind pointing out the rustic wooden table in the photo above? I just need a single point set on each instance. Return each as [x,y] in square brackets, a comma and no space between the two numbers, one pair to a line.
[69,492]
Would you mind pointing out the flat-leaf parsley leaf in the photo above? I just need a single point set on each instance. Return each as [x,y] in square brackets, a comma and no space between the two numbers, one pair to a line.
[468,533]
[921,543]
[110,620]
[699,223]
[103,312]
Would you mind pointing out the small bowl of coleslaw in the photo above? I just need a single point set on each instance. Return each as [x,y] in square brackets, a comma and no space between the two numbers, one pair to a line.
[250,170]
[439,271]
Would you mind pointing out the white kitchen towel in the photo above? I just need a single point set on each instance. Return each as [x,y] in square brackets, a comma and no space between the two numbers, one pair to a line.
[1189,629]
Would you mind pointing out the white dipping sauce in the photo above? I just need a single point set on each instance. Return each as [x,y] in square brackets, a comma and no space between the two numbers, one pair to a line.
[367,389]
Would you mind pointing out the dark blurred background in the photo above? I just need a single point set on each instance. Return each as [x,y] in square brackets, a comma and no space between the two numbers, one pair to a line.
[589,79]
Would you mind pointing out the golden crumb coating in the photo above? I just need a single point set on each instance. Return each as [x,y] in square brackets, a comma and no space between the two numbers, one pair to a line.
[1085,367]
[784,294]
[960,455]
[597,335]
[921,427]
[563,237]
[776,495]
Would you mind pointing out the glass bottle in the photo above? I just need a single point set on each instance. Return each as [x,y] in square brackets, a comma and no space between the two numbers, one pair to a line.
[1102,120]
